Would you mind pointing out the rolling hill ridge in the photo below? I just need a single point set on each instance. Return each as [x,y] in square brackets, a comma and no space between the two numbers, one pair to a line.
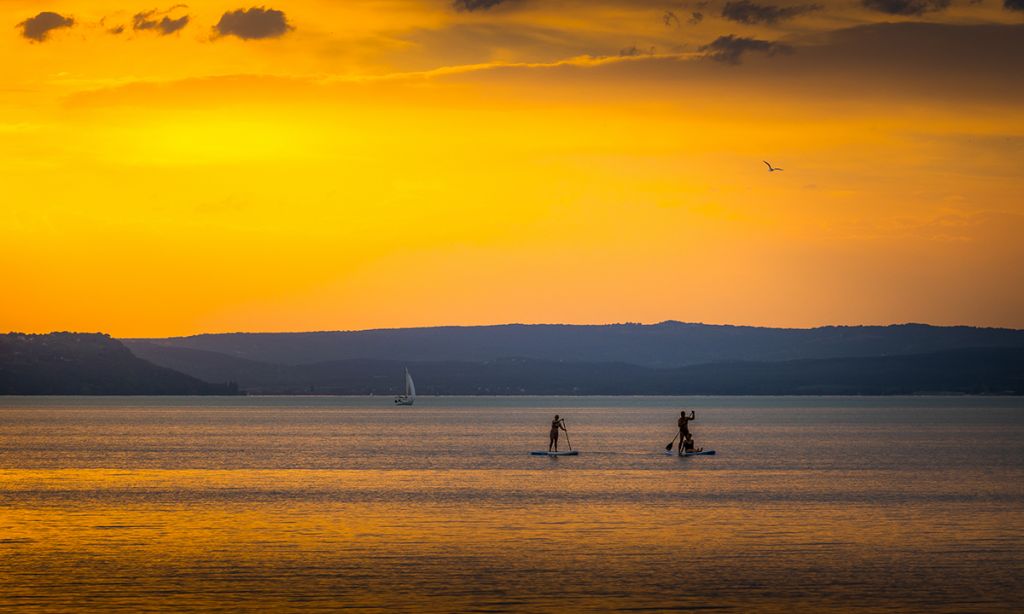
[668,344]
[667,358]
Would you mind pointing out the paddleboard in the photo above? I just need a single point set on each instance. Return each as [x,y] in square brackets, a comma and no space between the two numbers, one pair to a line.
[702,453]
[543,453]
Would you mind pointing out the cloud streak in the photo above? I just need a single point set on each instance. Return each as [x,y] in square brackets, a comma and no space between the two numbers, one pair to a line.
[38,28]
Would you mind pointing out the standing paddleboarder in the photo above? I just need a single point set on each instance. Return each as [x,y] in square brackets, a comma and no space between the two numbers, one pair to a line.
[557,423]
[684,427]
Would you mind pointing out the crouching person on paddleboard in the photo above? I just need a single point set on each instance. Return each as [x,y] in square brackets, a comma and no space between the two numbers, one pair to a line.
[557,423]
[688,445]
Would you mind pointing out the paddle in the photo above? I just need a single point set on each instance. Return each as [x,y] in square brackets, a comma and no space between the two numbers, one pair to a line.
[566,435]
[668,448]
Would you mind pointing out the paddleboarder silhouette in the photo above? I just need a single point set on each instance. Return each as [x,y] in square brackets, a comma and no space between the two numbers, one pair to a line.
[556,424]
[684,427]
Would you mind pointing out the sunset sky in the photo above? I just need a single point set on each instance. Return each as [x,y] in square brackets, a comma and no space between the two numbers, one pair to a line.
[318,164]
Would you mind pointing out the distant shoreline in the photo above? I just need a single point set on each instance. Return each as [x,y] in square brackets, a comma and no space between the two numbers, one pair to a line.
[426,398]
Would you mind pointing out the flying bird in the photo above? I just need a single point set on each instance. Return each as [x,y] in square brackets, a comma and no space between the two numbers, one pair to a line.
[771,169]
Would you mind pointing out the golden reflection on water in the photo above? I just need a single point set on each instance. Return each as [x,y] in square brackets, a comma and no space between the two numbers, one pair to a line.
[297,504]
[491,539]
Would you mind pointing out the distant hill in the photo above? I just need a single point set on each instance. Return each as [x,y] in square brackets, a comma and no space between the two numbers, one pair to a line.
[962,371]
[82,363]
[669,344]
[893,361]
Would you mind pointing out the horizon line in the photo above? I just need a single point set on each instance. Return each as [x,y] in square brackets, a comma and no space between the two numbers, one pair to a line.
[525,324]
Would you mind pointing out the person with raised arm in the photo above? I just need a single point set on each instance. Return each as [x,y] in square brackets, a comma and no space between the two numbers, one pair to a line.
[684,427]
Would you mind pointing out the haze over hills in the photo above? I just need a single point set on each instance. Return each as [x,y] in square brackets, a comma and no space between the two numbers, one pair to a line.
[961,371]
[668,344]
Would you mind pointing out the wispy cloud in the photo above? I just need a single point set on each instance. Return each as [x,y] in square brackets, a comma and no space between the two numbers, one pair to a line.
[633,51]
[475,5]
[745,11]
[906,7]
[731,49]
[160,21]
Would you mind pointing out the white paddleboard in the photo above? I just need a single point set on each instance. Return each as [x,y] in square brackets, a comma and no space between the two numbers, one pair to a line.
[701,453]
[544,453]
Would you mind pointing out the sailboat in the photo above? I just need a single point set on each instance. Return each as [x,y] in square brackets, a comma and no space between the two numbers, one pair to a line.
[410,391]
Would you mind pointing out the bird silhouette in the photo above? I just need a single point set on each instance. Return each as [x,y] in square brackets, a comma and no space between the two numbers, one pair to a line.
[771,169]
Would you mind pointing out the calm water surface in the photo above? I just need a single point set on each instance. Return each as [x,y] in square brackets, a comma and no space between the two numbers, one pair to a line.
[325,502]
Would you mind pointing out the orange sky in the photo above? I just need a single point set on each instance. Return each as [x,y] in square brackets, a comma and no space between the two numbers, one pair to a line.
[381,163]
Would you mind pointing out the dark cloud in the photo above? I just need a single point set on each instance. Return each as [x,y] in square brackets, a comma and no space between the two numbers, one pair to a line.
[165,25]
[253,23]
[1013,5]
[173,25]
[745,11]
[475,5]
[906,7]
[695,18]
[38,28]
[731,49]
[670,19]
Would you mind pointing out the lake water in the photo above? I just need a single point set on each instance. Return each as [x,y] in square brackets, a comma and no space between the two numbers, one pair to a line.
[304,503]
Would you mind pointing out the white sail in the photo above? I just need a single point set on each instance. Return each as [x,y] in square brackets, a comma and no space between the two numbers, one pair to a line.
[410,391]
[410,386]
